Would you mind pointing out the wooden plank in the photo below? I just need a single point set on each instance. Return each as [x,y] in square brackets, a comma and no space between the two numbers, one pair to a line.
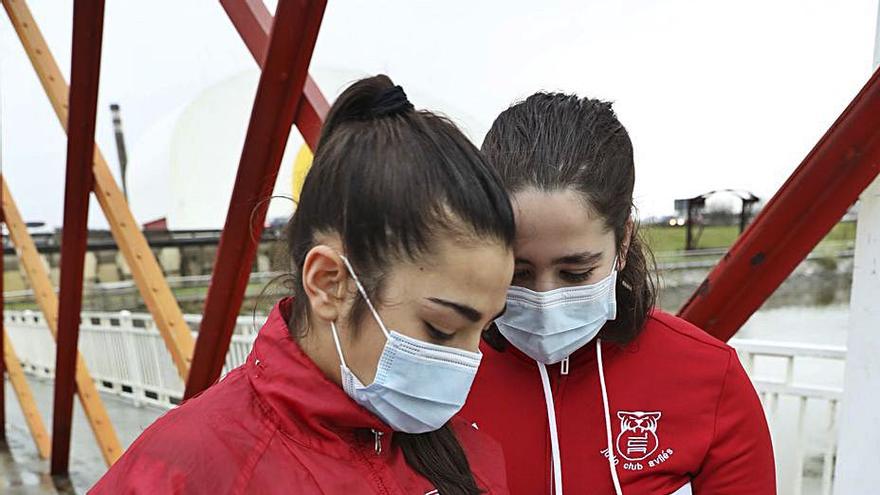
[145,268]
[47,300]
[25,398]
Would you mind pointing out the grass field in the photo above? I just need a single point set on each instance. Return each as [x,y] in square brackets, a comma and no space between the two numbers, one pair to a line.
[665,239]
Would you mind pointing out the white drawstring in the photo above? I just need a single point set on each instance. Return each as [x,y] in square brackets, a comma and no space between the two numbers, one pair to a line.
[611,465]
[554,435]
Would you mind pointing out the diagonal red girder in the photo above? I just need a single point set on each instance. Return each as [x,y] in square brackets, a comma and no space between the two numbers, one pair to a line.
[280,91]
[254,21]
[813,199]
[88,26]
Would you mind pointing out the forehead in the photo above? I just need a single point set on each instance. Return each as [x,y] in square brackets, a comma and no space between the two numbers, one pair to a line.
[557,223]
[474,273]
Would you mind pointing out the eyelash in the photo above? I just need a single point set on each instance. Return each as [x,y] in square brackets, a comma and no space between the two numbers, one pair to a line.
[567,276]
[576,277]
[437,334]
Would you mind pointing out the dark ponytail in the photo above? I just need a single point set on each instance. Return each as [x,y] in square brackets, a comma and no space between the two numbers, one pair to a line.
[389,180]
[439,457]
[554,141]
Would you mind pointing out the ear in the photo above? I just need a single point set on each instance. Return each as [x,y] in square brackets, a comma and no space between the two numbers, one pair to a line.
[324,280]
[624,246]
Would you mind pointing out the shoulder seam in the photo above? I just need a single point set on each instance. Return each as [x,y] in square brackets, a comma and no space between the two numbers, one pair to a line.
[271,429]
[248,473]
[730,355]
[718,345]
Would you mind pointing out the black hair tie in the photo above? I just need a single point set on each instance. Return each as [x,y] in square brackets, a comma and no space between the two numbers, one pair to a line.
[392,101]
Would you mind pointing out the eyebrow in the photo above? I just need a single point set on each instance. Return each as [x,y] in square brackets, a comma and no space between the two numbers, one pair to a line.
[468,312]
[571,259]
[577,258]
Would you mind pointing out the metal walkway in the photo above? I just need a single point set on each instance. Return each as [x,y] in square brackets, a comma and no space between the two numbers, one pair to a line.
[22,472]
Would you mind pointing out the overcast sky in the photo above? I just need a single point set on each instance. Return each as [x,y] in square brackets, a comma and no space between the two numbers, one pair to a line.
[715,94]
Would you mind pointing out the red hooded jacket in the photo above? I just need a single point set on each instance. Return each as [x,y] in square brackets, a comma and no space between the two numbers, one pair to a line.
[682,411]
[278,425]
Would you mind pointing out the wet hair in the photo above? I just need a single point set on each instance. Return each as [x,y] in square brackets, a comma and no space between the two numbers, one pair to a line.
[553,142]
[389,181]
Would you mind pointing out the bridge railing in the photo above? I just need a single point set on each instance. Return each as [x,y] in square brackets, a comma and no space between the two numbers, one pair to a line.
[124,351]
[800,386]
[128,357]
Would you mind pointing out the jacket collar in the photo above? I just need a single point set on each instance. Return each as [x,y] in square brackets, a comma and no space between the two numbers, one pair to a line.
[581,361]
[305,402]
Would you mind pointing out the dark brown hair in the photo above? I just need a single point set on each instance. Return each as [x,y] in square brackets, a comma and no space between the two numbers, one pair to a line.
[554,141]
[388,180]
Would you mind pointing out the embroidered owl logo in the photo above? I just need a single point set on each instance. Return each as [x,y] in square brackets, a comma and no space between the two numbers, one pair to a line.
[638,434]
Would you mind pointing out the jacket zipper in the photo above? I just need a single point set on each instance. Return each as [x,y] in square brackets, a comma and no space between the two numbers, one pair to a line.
[557,389]
[375,471]
[377,445]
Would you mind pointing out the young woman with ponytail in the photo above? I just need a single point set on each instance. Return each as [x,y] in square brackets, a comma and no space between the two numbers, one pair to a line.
[401,250]
[590,388]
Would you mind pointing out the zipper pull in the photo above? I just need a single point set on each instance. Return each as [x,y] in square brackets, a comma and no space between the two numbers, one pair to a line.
[377,446]
[563,368]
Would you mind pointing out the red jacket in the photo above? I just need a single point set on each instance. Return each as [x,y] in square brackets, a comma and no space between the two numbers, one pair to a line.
[688,412]
[278,425]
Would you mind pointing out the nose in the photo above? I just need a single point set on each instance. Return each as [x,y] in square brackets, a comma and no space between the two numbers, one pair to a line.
[545,282]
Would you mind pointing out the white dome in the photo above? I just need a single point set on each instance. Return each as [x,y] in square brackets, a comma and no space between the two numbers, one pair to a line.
[183,167]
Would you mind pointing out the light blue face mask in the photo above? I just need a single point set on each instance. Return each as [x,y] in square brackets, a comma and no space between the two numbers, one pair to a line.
[418,386]
[550,326]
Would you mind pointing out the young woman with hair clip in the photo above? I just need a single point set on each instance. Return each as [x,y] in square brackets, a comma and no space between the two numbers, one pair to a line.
[589,387]
[401,247]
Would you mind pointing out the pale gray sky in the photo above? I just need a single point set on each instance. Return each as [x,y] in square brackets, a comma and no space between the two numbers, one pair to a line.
[714,94]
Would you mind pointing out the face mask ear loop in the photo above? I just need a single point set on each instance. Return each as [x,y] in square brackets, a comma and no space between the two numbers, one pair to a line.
[338,346]
[617,489]
[363,292]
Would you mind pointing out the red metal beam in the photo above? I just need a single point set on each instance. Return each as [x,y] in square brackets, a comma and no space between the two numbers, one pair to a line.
[278,95]
[829,180]
[253,21]
[88,26]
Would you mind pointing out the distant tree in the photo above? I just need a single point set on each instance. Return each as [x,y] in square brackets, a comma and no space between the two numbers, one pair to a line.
[721,214]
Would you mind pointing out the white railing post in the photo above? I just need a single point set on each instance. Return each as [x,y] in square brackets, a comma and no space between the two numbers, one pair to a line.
[799,448]
[788,404]
[830,449]
[133,362]
[859,454]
